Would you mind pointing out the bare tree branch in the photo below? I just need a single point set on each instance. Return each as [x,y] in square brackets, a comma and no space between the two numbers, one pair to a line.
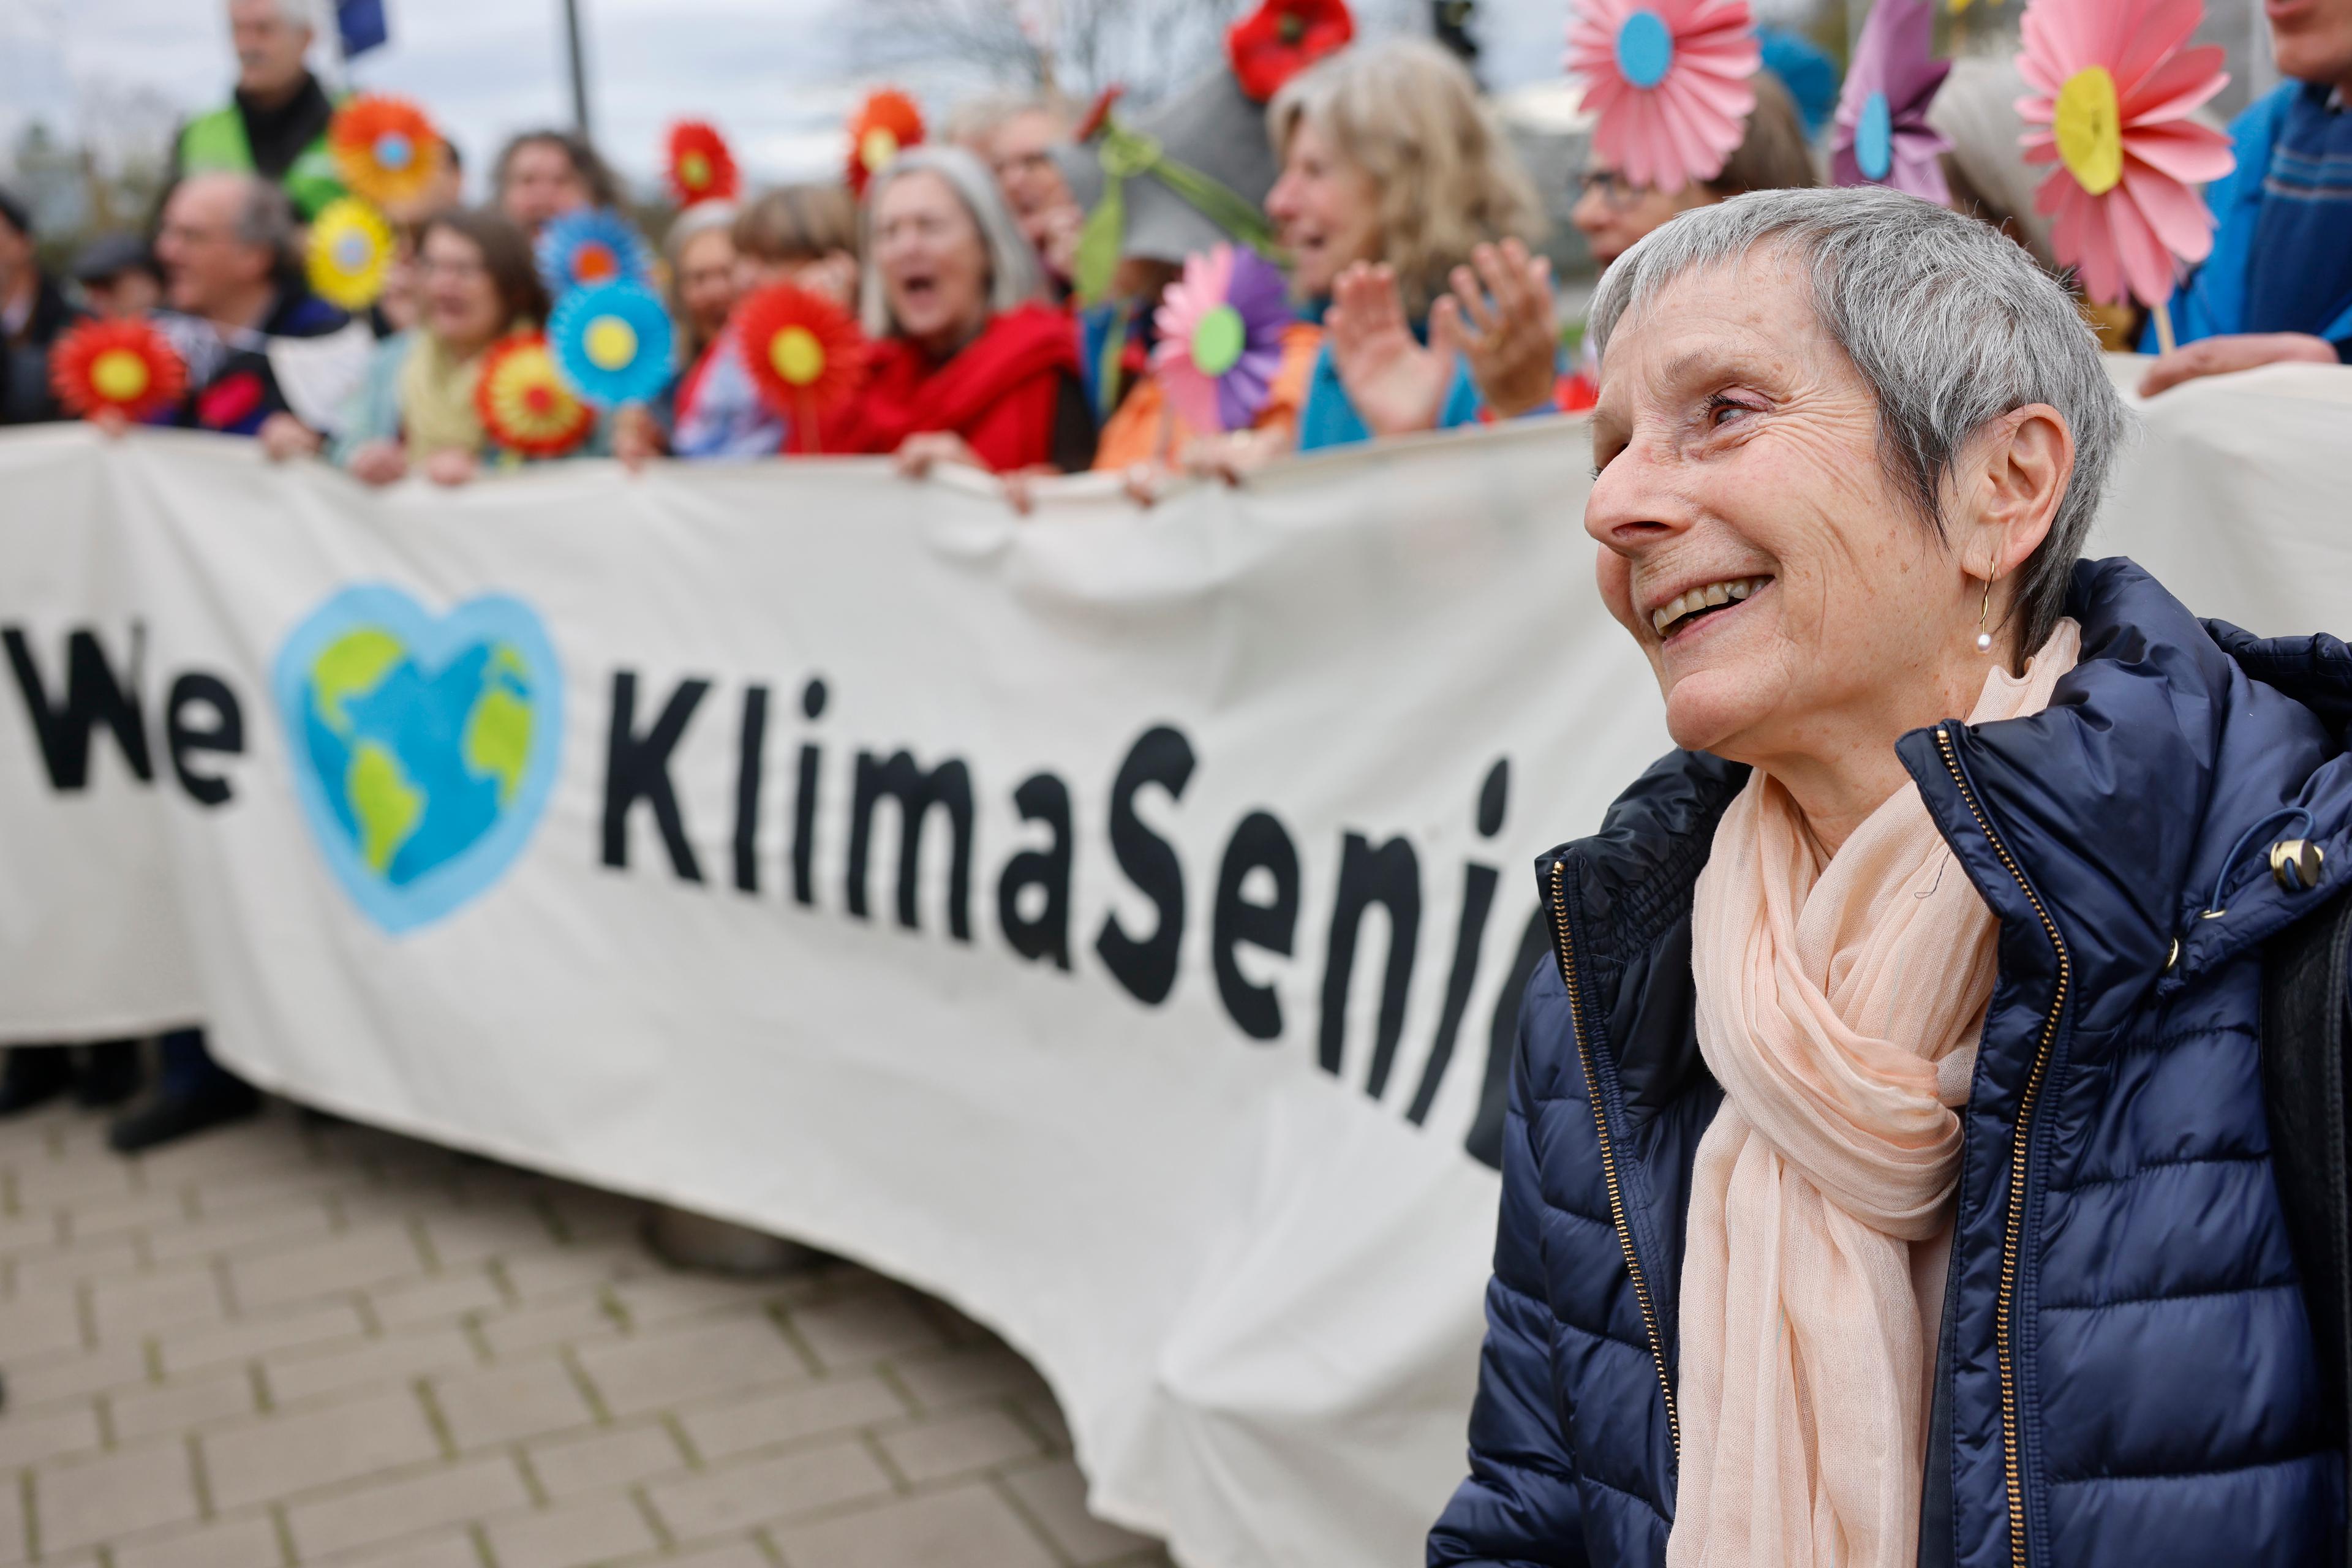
[1080,46]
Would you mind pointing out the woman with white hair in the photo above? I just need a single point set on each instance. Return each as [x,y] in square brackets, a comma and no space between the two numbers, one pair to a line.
[970,364]
[1889,1173]
[275,124]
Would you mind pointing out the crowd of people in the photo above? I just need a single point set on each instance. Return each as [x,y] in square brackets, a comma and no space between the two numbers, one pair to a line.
[1013,273]
[1374,168]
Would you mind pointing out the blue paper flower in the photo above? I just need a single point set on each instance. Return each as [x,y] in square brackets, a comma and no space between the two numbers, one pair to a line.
[613,344]
[594,244]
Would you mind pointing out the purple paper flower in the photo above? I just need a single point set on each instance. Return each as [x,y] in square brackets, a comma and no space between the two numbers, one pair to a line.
[1220,328]
[1881,135]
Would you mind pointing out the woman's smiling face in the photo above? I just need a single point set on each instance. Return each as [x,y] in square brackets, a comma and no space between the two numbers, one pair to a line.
[1751,540]
[1326,209]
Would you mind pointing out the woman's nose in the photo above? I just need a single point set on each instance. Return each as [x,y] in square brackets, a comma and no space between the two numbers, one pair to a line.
[1629,504]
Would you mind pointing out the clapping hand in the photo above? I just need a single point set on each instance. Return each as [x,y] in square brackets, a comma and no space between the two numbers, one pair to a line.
[1510,336]
[1396,383]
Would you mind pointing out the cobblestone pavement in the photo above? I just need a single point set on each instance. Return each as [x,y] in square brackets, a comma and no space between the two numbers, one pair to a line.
[286,1344]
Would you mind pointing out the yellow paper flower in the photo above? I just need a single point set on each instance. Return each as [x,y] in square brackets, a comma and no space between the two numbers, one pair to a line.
[350,251]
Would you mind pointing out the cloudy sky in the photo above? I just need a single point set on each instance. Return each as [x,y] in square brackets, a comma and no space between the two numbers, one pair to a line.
[778,75]
[772,71]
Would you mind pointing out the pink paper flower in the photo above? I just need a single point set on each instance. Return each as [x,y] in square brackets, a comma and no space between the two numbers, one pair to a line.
[1221,327]
[1668,83]
[2113,92]
[1882,136]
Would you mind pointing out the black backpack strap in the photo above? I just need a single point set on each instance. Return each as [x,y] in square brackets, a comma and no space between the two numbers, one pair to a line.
[2304,1080]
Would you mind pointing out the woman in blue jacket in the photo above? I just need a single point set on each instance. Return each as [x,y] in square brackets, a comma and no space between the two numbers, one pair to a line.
[1887,1178]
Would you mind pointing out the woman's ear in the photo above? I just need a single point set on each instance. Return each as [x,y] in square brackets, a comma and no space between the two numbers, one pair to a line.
[2024,462]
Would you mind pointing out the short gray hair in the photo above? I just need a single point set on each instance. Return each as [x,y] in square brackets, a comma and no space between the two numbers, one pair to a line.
[1949,323]
[265,219]
[1015,276]
[293,12]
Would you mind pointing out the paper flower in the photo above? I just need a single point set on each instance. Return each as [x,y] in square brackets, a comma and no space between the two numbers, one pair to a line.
[804,354]
[384,148]
[1882,135]
[1283,38]
[700,169]
[350,253]
[2114,89]
[613,342]
[122,367]
[886,123]
[1220,328]
[523,402]
[594,244]
[1667,82]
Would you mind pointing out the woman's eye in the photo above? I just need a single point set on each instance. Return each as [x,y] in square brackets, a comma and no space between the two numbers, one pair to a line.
[1720,410]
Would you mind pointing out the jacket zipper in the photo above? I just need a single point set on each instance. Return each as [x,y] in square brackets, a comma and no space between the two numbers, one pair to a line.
[2013,1221]
[1617,1217]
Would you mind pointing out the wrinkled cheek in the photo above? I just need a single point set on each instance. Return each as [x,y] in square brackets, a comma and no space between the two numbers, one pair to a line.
[1613,573]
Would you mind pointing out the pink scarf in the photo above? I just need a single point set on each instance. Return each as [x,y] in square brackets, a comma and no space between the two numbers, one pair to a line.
[1840,1005]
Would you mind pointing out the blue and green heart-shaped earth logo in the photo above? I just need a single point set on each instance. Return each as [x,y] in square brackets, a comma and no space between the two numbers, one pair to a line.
[424,746]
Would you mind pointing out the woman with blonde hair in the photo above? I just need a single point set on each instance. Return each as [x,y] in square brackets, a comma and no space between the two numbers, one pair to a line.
[1390,165]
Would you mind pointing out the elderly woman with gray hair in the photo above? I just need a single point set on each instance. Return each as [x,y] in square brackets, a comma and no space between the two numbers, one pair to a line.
[970,364]
[1888,1177]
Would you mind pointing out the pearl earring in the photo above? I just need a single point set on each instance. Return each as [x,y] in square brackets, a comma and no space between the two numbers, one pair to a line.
[1984,633]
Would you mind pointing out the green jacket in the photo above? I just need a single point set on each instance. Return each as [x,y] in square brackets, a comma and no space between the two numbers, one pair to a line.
[217,143]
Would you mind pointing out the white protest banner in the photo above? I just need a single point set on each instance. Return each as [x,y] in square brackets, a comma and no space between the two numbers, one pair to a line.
[1103,920]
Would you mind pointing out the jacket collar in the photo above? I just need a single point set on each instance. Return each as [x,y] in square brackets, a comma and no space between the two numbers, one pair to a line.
[2139,808]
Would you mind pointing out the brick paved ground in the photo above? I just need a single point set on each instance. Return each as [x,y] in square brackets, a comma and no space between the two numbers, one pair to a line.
[281,1344]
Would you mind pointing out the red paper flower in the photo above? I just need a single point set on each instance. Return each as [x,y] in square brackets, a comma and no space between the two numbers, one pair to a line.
[123,367]
[804,354]
[1283,38]
[884,124]
[701,169]
[523,401]
[384,148]
[1099,115]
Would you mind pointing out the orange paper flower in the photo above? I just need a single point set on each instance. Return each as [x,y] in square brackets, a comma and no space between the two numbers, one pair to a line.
[886,123]
[701,169]
[384,148]
[122,367]
[804,354]
[523,402]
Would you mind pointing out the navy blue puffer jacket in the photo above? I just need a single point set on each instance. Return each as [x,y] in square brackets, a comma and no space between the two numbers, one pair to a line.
[2126,1376]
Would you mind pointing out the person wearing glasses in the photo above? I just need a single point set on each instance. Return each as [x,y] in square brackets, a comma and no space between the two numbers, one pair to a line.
[1612,213]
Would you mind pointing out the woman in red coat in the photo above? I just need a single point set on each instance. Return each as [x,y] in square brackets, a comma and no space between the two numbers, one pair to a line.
[970,364]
